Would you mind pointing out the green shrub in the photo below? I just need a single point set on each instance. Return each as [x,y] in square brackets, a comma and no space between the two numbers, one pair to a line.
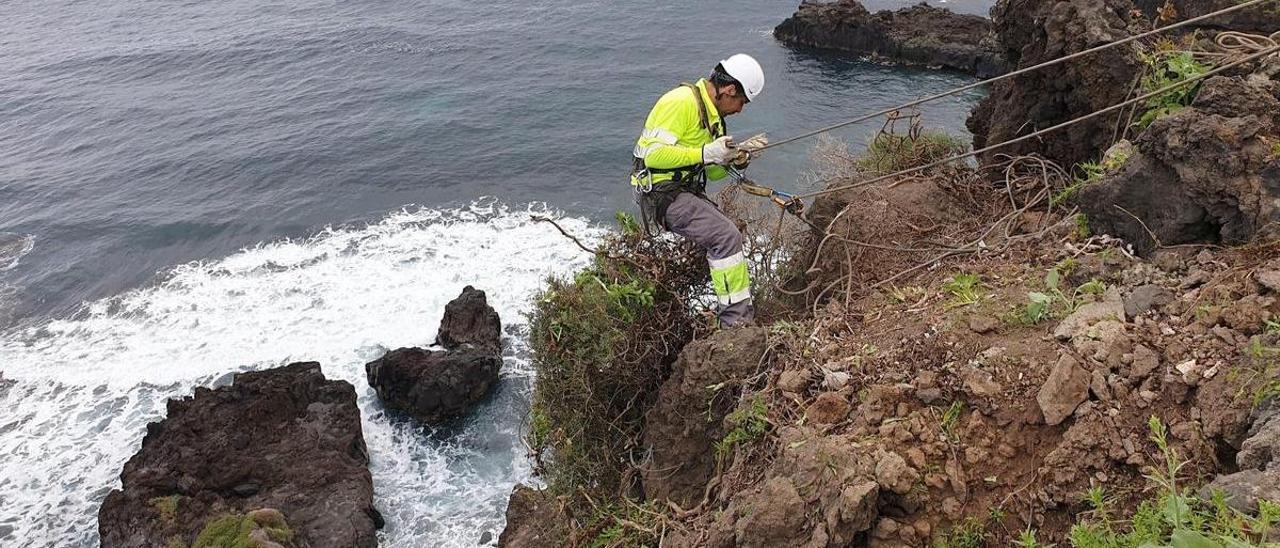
[232,531]
[602,343]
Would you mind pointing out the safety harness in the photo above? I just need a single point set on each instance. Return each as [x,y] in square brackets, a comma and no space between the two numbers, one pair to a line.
[654,199]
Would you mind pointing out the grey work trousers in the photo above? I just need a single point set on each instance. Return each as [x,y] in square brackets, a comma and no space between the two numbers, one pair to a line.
[699,220]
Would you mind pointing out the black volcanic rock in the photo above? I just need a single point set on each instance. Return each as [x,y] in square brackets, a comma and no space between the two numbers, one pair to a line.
[283,440]
[921,34]
[436,386]
[469,319]
[433,386]
[1035,31]
[1208,173]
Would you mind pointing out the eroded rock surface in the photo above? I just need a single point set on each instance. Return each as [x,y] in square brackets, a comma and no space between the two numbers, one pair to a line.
[284,439]
[687,420]
[533,520]
[1035,31]
[1259,462]
[921,34]
[1205,174]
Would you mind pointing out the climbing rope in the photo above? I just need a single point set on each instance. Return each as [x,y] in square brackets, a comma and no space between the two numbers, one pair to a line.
[1274,48]
[1243,44]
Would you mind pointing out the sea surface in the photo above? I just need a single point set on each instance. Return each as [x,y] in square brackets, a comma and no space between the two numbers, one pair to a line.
[192,189]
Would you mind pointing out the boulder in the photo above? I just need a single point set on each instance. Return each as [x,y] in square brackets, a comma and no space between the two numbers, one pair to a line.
[435,386]
[1205,174]
[283,439]
[1269,276]
[534,520]
[894,474]
[1259,462]
[1086,316]
[835,477]
[682,428]
[1065,389]
[773,517]
[920,35]
[469,320]
[1035,31]
[1144,298]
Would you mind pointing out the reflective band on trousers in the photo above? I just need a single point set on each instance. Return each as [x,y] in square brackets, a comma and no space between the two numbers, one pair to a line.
[730,278]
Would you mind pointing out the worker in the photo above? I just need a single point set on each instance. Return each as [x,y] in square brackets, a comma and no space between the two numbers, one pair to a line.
[684,144]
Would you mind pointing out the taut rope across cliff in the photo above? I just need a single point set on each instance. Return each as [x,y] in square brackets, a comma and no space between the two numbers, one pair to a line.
[1249,41]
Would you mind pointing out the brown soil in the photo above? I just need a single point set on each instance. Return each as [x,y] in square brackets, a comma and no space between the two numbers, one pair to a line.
[937,401]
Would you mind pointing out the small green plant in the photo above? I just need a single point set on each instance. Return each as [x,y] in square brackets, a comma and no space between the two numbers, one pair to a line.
[750,423]
[627,223]
[1090,173]
[1176,516]
[888,151]
[1027,539]
[1164,69]
[951,418]
[1275,149]
[964,290]
[1040,305]
[232,531]
[625,524]
[1082,230]
[971,533]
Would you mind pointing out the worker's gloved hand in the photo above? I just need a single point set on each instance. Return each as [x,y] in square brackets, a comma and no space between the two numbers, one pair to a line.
[741,159]
[720,151]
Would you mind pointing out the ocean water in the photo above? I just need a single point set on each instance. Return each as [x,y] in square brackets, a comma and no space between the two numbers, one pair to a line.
[190,189]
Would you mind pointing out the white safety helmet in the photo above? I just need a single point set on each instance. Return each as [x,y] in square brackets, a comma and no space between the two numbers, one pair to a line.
[746,71]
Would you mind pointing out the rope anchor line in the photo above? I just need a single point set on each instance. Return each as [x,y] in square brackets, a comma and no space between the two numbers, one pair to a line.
[1241,42]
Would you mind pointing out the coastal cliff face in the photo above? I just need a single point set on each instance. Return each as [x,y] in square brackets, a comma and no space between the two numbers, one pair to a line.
[1035,31]
[970,362]
[919,35]
[279,451]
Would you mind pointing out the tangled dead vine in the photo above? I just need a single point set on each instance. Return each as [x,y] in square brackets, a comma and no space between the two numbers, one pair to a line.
[864,239]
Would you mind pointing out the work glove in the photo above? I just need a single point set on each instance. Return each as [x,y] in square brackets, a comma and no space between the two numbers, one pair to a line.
[720,151]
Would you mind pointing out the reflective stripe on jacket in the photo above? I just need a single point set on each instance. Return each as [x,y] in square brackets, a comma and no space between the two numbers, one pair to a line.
[673,134]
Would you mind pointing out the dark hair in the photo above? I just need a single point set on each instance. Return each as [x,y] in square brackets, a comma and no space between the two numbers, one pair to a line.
[721,78]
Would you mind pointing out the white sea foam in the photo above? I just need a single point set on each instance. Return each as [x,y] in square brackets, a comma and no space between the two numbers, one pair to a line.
[13,247]
[87,385]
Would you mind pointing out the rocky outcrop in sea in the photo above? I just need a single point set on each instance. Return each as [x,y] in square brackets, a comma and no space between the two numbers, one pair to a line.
[275,459]
[919,35]
[434,386]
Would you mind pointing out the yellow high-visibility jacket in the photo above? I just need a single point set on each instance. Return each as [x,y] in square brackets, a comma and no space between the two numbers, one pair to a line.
[674,134]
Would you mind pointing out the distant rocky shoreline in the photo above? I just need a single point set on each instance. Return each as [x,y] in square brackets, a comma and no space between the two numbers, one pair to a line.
[917,35]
